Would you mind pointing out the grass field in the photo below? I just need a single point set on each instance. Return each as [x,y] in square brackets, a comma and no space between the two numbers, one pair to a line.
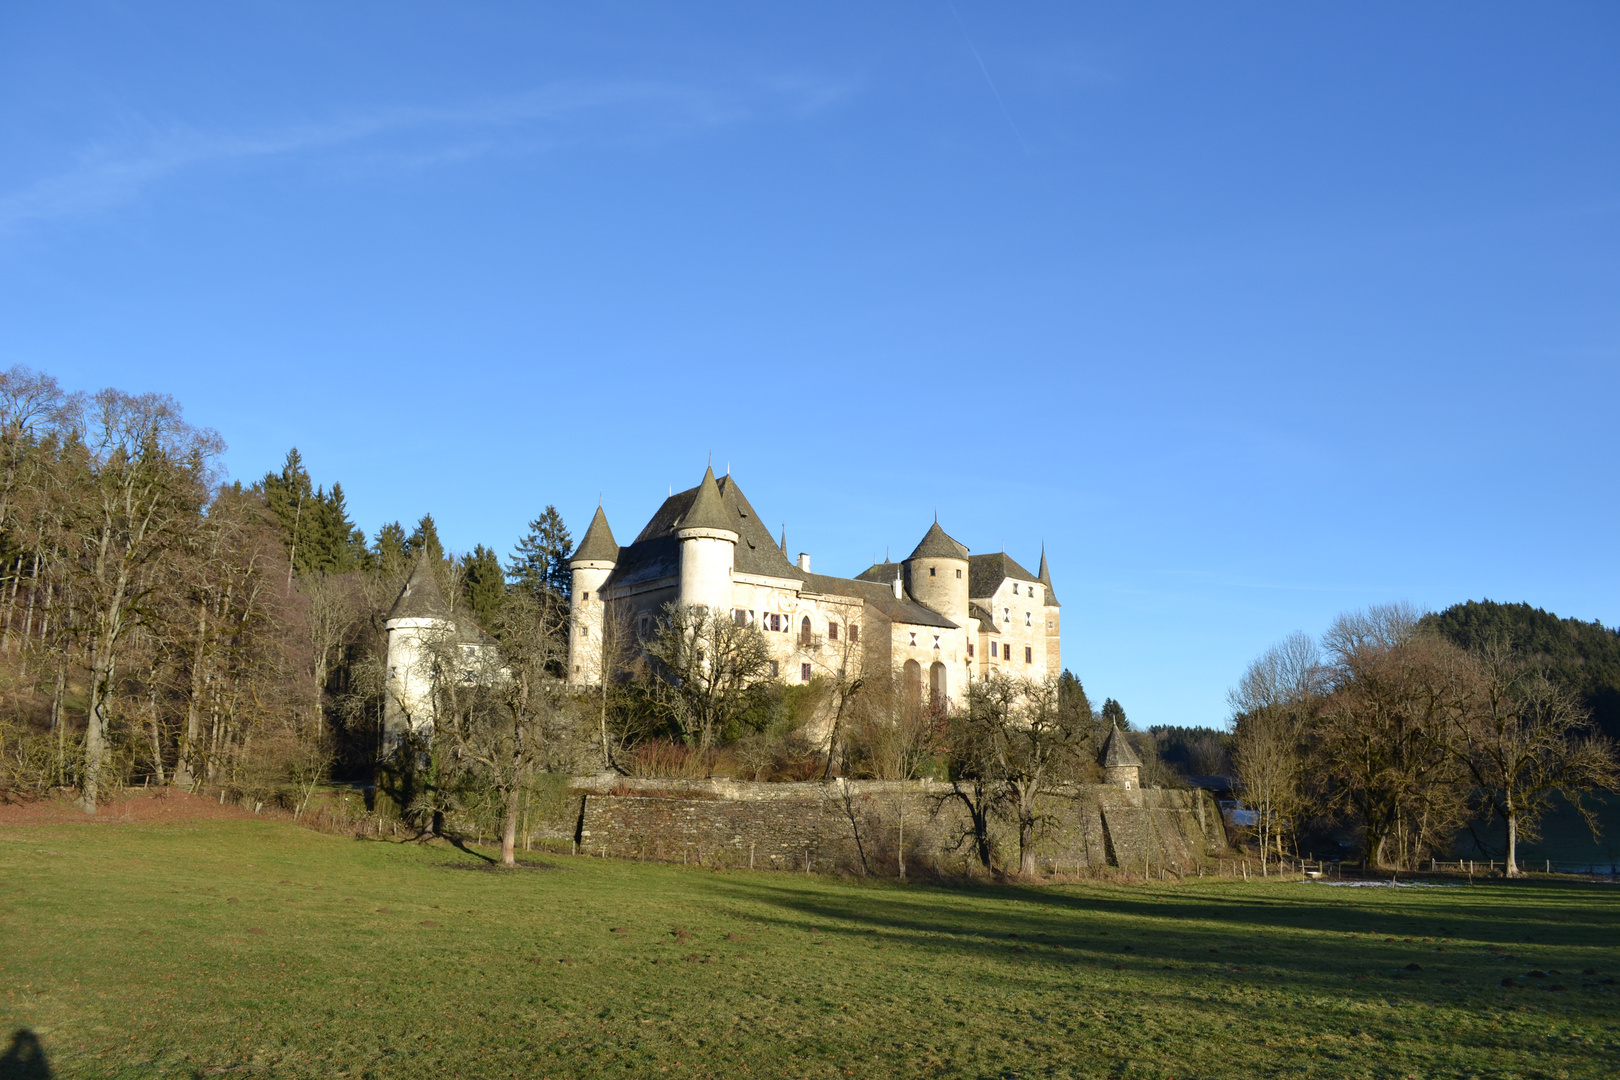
[254,948]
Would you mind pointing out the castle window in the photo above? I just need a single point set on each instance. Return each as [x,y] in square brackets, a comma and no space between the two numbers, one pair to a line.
[1006,652]
[930,571]
[1029,655]
[584,631]
[832,631]
[1015,588]
[914,639]
[587,596]
[854,633]
[1049,624]
[936,641]
[959,574]
[804,631]
[804,672]
[773,669]
[1006,614]
[970,650]
[739,616]
[776,622]
[1027,617]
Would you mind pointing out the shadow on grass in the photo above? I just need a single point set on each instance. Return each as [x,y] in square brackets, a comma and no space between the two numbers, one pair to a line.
[1284,935]
[25,1058]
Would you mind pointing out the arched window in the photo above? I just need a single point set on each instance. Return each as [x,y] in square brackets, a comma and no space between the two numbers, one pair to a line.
[911,681]
[936,686]
[804,631]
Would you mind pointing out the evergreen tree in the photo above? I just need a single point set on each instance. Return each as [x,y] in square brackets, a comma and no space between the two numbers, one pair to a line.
[389,553]
[539,563]
[425,540]
[1114,713]
[483,584]
[315,525]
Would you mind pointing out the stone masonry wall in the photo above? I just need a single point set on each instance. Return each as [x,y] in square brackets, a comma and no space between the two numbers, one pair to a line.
[827,826]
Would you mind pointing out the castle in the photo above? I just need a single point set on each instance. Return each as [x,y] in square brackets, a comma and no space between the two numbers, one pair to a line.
[941,617]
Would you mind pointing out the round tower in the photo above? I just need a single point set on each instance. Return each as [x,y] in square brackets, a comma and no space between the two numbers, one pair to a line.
[937,575]
[418,615]
[591,564]
[708,536]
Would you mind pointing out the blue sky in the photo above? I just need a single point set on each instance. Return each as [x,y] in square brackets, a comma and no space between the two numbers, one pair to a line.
[1250,313]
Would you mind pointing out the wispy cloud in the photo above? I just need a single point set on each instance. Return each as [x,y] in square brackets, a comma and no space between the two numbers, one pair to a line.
[114,171]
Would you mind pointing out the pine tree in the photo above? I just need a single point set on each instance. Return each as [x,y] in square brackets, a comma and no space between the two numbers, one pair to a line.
[1113,713]
[389,553]
[425,540]
[539,563]
[483,584]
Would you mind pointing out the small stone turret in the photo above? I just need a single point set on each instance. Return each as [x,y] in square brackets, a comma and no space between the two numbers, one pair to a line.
[418,613]
[1119,761]
[1052,615]
[592,564]
[708,536]
[937,575]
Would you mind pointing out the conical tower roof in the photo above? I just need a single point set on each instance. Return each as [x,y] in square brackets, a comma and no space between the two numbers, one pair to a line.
[1117,750]
[598,544]
[709,508]
[421,597]
[937,545]
[1045,578]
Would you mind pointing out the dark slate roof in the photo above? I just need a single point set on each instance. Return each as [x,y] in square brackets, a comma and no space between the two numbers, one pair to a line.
[656,552]
[987,572]
[421,597]
[1117,750]
[935,544]
[987,620]
[880,596]
[709,509]
[1045,578]
[598,544]
[885,572]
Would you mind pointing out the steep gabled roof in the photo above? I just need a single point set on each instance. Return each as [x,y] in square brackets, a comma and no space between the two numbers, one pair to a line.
[1045,578]
[656,552]
[708,509]
[935,544]
[598,544]
[987,621]
[421,597]
[885,572]
[987,572]
[1117,750]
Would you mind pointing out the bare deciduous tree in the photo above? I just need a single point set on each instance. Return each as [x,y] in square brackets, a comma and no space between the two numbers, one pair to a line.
[707,667]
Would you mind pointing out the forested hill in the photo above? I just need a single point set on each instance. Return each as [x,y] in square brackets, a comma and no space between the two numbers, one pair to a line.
[1583,656]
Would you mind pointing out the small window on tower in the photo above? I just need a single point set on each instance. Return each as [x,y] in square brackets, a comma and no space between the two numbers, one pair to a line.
[958,573]
[930,571]
[1049,624]
[970,650]
[584,631]
[587,596]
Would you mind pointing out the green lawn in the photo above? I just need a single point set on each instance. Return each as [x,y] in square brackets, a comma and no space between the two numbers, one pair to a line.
[255,948]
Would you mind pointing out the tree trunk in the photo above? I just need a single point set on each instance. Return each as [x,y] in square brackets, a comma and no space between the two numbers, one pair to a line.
[1026,847]
[509,827]
[1513,843]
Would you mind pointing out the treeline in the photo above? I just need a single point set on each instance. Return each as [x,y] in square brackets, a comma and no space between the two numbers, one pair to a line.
[160,626]
[1401,727]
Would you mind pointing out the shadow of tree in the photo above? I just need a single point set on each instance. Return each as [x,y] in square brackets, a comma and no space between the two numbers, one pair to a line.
[24,1059]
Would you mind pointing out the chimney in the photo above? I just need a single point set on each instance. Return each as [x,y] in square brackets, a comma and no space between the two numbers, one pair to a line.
[804,561]
[897,588]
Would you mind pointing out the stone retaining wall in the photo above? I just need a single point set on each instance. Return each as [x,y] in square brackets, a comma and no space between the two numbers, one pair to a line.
[830,826]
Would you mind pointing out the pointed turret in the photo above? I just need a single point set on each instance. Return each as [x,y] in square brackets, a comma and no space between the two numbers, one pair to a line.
[598,544]
[708,535]
[936,574]
[709,507]
[1119,761]
[421,597]
[1045,578]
